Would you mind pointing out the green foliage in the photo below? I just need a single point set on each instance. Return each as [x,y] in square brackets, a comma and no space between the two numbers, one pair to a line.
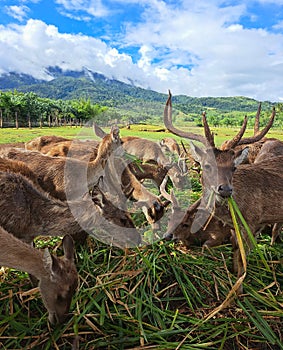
[127,103]
[27,109]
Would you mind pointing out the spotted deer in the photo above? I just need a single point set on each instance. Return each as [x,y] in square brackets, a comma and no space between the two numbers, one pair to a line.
[253,186]
[58,277]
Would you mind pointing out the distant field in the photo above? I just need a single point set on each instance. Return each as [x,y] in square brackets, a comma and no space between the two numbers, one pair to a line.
[152,132]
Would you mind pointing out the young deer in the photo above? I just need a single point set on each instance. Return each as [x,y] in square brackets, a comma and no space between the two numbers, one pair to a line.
[58,278]
[257,189]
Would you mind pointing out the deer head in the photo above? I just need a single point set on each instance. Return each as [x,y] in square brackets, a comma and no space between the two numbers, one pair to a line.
[59,283]
[218,164]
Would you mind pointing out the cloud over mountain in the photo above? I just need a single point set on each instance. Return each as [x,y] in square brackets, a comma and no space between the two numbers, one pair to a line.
[208,48]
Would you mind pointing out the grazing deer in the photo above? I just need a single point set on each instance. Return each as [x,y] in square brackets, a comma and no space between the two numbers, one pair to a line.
[58,278]
[58,175]
[27,211]
[253,186]
[215,233]
[168,144]
[210,234]
[149,151]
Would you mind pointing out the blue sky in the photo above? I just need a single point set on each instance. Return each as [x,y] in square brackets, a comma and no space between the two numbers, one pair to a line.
[193,47]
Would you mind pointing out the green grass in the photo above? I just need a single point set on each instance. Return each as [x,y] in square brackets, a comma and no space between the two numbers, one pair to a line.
[153,297]
[156,297]
[152,132]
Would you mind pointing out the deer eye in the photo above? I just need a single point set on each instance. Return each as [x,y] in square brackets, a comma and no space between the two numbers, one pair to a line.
[207,167]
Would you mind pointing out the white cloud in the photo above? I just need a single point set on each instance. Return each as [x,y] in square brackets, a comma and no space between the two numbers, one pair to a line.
[94,8]
[227,58]
[197,48]
[31,48]
[17,12]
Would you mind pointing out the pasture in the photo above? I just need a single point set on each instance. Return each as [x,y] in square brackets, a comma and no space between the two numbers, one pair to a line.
[157,296]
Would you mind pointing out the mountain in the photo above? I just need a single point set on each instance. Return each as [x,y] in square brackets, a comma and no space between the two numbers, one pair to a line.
[125,98]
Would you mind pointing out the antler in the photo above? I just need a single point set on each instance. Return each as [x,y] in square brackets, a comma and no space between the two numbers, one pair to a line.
[256,126]
[260,134]
[171,128]
[208,134]
[229,144]
[170,197]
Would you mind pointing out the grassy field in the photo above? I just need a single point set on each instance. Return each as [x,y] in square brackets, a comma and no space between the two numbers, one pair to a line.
[152,132]
[158,296]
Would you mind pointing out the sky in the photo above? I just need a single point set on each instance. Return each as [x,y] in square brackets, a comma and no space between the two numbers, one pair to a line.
[192,47]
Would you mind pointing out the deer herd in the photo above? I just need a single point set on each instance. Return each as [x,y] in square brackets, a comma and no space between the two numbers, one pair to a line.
[54,186]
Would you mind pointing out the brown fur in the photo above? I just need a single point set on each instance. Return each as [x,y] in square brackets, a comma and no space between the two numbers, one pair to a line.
[27,211]
[52,174]
[18,167]
[83,150]
[58,278]
[150,152]
[256,188]
[38,143]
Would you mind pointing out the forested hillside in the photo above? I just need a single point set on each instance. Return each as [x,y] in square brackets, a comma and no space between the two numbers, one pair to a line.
[129,103]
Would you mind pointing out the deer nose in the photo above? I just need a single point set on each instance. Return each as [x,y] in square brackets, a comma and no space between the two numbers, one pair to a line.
[225,191]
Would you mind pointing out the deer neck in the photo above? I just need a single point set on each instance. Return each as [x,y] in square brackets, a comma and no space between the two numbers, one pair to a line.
[21,256]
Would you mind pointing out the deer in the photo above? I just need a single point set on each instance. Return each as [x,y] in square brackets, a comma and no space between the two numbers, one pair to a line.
[258,139]
[69,178]
[271,150]
[58,277]
[149,151]
[124,185]
[215,232]
[28,211]
[168,144]
[224,175]
[65,178]
[41,142]
[83,150]
[56,175]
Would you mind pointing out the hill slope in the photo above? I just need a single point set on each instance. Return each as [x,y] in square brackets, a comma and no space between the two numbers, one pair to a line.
[125,98]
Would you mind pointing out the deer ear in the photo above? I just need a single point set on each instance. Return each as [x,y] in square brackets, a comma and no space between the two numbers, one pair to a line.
[68,247]
[50,263]
[98,131]
[241,156]
[197,152]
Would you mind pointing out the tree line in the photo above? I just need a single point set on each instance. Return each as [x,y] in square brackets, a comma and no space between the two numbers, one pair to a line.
[27,109]
[19,109]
